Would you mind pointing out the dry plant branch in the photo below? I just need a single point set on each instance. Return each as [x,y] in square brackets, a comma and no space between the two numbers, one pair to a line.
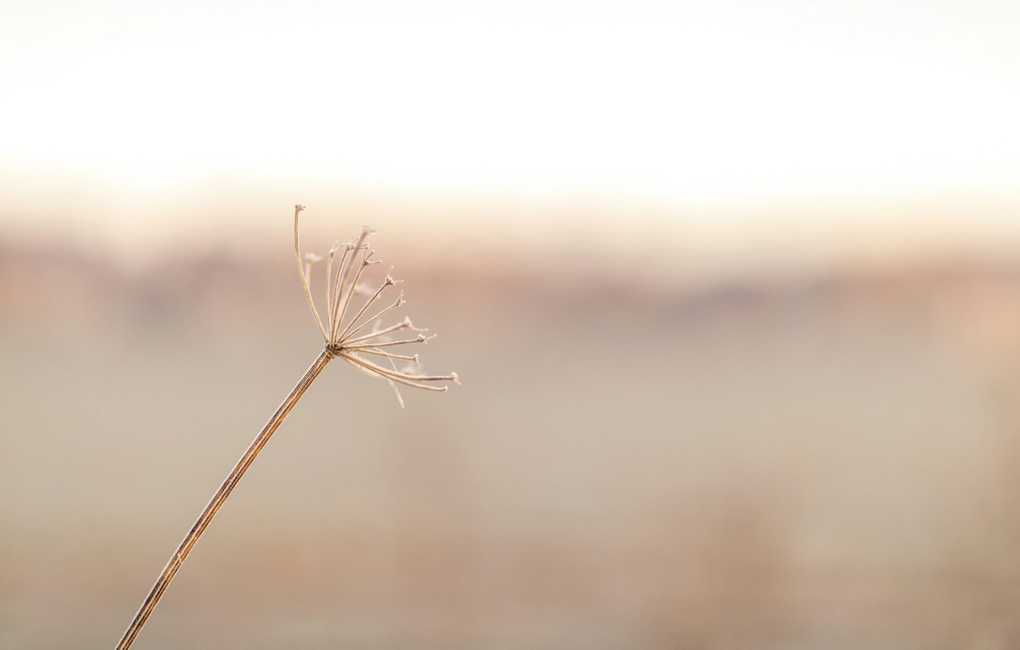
[339,341]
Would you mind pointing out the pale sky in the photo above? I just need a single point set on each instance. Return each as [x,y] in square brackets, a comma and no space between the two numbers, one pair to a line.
[729,103]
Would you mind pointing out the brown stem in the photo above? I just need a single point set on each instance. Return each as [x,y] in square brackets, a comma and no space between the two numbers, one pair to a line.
[204,519]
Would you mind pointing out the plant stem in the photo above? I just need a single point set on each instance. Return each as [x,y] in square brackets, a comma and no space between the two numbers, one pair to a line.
[204,519]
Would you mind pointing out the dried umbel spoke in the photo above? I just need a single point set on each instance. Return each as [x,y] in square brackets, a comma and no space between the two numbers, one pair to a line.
[343,336]
[357,326]
[304,271]
[391,355]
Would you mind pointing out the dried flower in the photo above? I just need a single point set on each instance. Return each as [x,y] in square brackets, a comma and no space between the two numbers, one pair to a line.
[347,333]
[344,325]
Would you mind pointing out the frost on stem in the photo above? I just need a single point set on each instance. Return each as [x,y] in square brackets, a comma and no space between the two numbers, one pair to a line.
[345,324]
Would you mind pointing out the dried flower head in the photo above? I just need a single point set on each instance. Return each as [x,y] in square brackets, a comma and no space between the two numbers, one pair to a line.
[356,334]
[349,334]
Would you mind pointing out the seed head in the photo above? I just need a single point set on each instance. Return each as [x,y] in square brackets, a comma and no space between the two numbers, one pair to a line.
[351,335]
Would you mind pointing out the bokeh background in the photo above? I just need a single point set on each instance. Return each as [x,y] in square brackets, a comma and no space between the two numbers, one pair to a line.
[734,288]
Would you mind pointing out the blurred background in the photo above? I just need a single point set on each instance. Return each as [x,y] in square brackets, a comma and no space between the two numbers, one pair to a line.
[734,289]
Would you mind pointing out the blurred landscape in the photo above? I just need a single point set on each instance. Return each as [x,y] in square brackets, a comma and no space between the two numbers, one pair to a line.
[733,287]
[826,458]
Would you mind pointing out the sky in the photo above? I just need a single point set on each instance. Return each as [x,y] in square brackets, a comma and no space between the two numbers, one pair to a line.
[718,108]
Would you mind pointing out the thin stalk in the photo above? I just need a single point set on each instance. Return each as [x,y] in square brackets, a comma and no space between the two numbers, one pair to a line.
[204,519]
